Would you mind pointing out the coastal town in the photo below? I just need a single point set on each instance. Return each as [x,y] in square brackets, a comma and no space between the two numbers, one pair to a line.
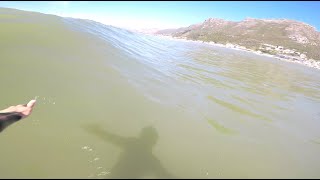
[278,52]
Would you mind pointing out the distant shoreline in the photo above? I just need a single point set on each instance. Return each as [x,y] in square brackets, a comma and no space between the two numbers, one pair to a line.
[306,62]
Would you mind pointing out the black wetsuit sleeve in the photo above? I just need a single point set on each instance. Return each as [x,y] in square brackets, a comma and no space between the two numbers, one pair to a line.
[7,119]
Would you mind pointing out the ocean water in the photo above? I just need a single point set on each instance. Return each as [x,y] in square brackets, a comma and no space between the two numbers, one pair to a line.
[117,104]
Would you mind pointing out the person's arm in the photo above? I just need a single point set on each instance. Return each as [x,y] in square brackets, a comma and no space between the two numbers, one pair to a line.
[7,119]
[15,113]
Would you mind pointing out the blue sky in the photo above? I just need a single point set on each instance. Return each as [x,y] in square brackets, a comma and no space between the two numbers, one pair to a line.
[167,14]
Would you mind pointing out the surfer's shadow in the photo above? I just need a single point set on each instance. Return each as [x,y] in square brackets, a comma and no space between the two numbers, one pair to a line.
[136,159]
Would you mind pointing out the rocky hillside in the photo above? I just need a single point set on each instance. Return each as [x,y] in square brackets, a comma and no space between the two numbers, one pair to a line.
[253,33]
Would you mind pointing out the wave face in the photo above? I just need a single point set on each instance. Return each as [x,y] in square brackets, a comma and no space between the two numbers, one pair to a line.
[114,103]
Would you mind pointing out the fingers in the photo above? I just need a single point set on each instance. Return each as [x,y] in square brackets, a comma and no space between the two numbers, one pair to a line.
[31,103]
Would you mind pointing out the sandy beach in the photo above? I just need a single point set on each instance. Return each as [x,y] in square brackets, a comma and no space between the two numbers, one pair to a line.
[307,62]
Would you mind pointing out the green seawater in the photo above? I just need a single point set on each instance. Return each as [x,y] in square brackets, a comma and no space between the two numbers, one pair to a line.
[116,104]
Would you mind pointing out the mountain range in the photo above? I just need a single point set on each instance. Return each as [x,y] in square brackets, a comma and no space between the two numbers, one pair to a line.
[253,33]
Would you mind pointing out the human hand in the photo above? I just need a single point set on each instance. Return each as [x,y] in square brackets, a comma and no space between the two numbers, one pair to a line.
[24,110]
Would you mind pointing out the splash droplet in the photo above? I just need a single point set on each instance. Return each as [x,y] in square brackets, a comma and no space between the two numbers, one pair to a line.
[85,147]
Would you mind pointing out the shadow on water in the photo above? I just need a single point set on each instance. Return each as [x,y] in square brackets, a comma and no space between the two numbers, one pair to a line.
[136,159]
